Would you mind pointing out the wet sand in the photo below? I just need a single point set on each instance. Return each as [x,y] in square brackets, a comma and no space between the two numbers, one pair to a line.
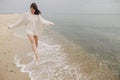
[76,58]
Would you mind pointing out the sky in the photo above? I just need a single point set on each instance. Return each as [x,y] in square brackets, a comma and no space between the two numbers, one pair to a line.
[62,6]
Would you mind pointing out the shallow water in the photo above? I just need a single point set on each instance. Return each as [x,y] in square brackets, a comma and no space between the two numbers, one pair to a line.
[98,34]
[52,66]
[83,52]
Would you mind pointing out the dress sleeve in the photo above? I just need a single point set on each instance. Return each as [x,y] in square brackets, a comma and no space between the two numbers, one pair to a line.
[45,22]
[19,22]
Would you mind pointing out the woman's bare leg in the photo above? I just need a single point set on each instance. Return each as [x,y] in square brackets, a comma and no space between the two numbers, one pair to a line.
[34,48]
[36,40]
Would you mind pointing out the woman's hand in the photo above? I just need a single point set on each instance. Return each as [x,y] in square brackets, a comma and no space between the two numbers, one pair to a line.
[52,24]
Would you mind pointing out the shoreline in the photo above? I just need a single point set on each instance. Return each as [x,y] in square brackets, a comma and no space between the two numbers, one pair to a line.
[11,45]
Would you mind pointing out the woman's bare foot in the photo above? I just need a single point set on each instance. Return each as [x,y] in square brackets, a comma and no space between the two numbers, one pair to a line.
[37,58]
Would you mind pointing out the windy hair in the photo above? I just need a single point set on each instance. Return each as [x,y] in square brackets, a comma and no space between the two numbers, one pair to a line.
[35,7]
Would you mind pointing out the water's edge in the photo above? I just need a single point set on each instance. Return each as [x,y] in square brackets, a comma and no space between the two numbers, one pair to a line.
[66,59]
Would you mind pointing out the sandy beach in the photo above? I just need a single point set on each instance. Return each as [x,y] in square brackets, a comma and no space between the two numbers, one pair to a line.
[9,46]
[84,43]
[60,59]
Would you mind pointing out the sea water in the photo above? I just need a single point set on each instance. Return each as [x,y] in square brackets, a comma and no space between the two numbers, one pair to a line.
[78,47]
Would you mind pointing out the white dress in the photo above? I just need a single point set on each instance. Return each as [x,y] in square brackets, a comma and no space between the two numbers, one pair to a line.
[34,23]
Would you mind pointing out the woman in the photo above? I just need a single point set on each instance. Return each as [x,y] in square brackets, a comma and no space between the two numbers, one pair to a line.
[34,26]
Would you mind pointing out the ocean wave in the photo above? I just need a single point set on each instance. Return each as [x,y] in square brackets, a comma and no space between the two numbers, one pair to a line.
[52,66]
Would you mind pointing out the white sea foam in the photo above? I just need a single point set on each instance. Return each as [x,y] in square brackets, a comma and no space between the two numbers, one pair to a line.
[52,66]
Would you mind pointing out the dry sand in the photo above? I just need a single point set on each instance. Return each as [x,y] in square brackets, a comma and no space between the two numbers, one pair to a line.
[10,45]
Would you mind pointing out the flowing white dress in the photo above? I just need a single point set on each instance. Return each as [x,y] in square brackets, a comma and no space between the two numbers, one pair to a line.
[34,23]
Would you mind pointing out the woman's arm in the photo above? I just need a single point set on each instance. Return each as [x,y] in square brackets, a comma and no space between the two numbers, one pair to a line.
[45,22]
[19,22]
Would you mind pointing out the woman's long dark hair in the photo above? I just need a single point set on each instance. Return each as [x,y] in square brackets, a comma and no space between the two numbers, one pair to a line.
[34,6]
